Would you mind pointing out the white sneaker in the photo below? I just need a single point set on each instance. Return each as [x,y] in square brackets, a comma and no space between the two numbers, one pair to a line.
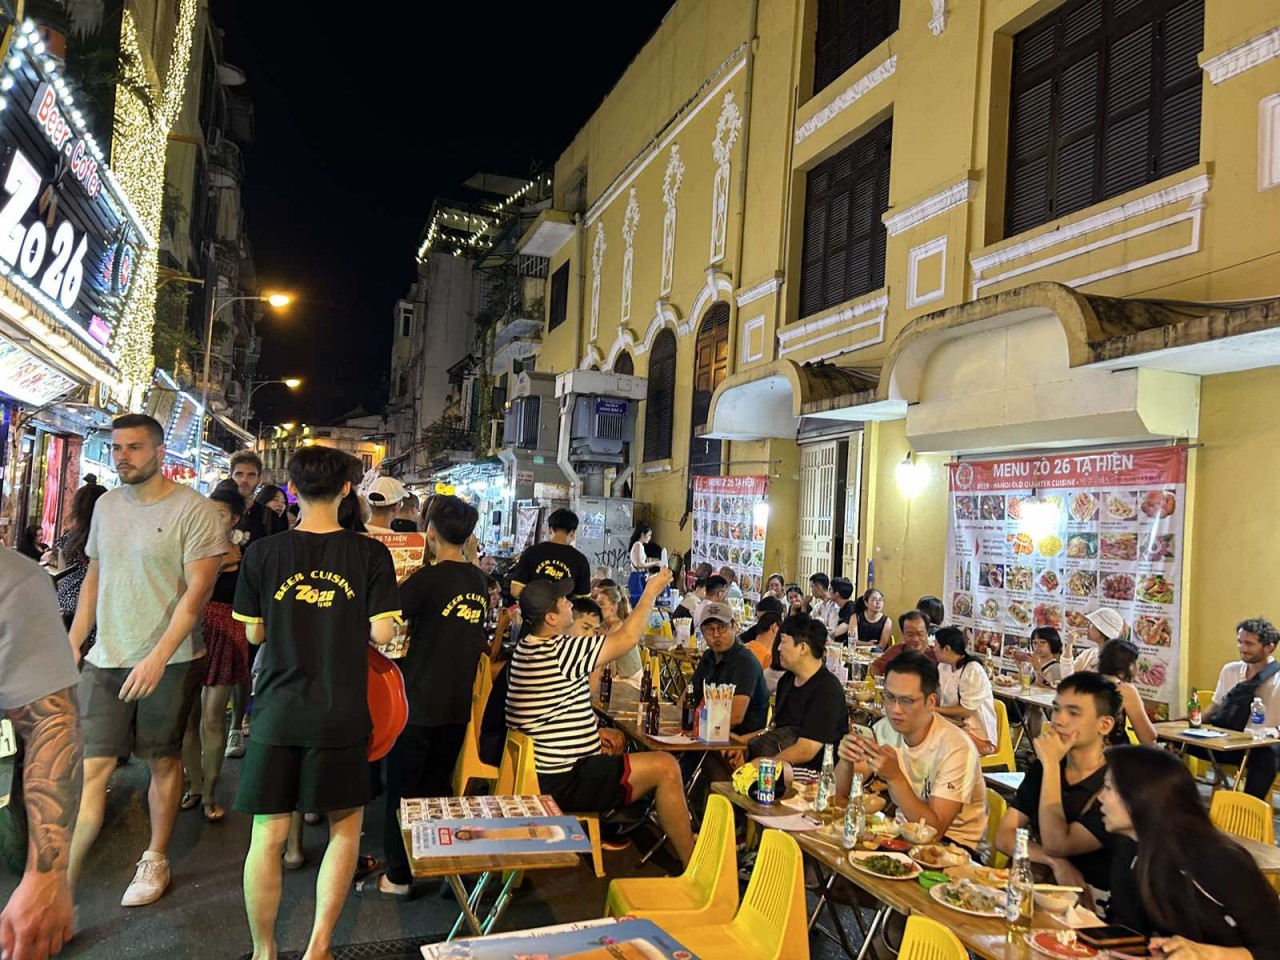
[149,882]
[235,744]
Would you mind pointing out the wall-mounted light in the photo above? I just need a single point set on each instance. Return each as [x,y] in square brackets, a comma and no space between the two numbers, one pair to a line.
[911,476]
[760,514]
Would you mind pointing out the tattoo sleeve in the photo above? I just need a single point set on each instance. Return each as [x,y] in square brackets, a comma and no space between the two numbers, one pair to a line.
[50,730]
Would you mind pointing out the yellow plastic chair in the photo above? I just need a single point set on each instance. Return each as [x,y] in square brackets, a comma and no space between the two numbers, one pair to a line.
[925,939]
[518,776]
[996,809]
[707,891]
[1003,757]
[771,923]
[1243,815]
[469,766]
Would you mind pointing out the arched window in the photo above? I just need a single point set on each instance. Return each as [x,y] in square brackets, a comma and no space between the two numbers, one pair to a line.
[624,364]
[711,366]
[660,401]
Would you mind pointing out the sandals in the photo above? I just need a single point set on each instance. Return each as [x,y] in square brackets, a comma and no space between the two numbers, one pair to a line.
[212,813]
[366,864]
[371,889]
[293,863]
[190,800]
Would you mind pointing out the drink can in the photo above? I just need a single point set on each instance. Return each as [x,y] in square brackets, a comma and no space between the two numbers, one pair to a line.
[768,769]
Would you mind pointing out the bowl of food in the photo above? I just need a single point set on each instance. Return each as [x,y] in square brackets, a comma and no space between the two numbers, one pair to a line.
[882,827]
[919,832]
[1056,901]
[863,693]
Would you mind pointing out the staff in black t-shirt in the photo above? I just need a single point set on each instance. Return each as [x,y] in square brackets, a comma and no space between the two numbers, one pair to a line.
[447,606]
[313,597]
[1058,798]
[555,559]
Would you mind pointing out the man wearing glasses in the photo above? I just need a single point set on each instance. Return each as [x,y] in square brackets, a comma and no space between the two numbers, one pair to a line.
[930,765]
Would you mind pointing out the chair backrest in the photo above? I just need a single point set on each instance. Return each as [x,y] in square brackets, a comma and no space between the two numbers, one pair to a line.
[773,913]
[926,939]
[517,774]
[1003,757]
[713,868]
[1205,699]
[480,691]
[996,809]
[1243,815]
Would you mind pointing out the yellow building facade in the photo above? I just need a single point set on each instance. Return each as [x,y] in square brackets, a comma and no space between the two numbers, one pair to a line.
[994,292]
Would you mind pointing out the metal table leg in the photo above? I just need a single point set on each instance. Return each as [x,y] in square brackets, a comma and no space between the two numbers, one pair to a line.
[876,921]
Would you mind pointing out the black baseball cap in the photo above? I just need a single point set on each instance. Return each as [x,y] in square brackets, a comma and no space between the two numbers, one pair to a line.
[539,598]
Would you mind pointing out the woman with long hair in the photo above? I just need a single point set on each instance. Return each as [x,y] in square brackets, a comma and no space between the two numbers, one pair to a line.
[640,562]
[1116,660]
[615,608]
[29,543]
[964,689]
[276,501]
[873,626]
[1180,879]
[776,586]
[72,556]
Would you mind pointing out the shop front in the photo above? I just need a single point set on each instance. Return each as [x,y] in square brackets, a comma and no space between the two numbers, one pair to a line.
[66,266]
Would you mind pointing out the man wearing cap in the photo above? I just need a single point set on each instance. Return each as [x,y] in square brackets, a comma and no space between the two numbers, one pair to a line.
[727,660]
[1104,624]
[384,496]
[549,699]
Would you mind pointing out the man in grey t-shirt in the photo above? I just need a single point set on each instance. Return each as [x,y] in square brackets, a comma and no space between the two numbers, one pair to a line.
[37,695]
[154,550]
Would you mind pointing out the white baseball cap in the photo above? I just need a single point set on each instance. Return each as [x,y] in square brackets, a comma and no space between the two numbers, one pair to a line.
[1109,623]
[385,492]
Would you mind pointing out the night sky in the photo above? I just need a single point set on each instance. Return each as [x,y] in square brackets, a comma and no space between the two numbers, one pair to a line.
[361,123]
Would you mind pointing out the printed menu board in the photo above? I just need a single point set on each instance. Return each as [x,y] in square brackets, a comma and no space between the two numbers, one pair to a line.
[1111,536]
[490,836]
[607,939]
[725,531]
[408,552]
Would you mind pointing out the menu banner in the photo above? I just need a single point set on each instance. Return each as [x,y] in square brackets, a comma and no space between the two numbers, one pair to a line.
[1108,532]
[408,552]
[729,518]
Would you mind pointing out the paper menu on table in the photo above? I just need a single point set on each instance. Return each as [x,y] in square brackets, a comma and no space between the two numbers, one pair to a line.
[507,836]
[415,809]
[792,823]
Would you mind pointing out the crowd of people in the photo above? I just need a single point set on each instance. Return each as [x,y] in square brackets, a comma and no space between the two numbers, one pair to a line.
[180,604]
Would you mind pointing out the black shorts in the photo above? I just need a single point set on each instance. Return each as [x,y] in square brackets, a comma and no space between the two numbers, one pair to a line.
[313,779]
[147,728]
[595,784]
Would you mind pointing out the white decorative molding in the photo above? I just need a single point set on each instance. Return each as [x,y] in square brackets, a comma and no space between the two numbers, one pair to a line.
[625,340]
[939,21]
[630,220]
[748,328]
[876,321]
[665,315]
[915,296]
[1269,142]
[728,126]
[851,95]
[1192,190]
[717,284]
[591,358]
[759,291]
[671,180]
[715,83]
[804,335]
[1246,56]
[597,261]
[930,207]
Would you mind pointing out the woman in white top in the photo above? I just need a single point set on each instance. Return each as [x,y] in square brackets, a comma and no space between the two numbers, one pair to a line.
[640,562]
[964,689]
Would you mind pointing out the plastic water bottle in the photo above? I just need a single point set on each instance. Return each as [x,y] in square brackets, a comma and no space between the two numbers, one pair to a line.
[1257,727]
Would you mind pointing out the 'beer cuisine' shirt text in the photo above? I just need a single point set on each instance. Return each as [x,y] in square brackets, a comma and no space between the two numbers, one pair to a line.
[554,561]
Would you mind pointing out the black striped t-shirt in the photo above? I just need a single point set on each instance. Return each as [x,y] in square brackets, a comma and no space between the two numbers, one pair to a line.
[549,698]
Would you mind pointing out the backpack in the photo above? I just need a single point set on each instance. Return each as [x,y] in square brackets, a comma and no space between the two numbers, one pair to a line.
[1233,713]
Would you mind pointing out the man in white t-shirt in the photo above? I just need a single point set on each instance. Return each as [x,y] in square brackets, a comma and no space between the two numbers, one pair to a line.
[930,765]
[822,607]
[1256,642]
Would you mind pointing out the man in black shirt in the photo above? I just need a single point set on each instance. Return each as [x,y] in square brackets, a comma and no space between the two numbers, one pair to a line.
[257,520]
[727,660]
[554,559]
[811,711]
[1058,798]
[314,596]
[447,607]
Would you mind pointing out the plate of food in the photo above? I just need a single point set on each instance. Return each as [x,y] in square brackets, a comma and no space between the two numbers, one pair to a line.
[937,856]
[1119,546]
[1077,620]
[1118,586]
[961,605]
[1158,504]
[966,508]
[1061,944]
[1022,543]
[1013,508]
[1048,582]
[1048,615]
[1158,548]
[1154,631]
[1050,546]
[1082,546]
[888,865]
[1121,506]
[992,508]
[1020,613]
[989,610]
[1155,589]
[1018,578]
[1084,506]
[976,873]
[1082,583]
[971,898]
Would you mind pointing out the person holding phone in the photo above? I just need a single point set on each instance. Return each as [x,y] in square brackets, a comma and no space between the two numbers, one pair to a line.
[1181,880]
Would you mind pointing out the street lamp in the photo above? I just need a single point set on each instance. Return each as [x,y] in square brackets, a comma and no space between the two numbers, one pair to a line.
[218,304]
[293,383]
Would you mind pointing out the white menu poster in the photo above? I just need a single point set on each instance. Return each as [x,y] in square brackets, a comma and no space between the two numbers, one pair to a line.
[1111,537]
[729,517]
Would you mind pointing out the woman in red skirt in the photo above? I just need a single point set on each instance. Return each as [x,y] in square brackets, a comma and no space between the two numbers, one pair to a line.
[227,665]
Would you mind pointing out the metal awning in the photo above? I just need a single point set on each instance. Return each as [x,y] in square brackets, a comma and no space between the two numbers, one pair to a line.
[767,401]
[232,426]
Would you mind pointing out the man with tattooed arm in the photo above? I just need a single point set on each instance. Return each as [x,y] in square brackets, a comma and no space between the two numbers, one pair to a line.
[37,695]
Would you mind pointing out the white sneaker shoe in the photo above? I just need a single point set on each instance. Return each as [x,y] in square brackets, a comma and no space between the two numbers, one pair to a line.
[235,744]
[149,882]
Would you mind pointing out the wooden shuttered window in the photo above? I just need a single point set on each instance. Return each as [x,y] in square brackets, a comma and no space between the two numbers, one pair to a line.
[559,305]
[844,237]
[847,31]
[660,400]
[710,367]
[1105,98]
[624,364]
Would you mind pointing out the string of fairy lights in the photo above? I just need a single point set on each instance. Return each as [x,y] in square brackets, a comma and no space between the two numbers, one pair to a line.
[469,230]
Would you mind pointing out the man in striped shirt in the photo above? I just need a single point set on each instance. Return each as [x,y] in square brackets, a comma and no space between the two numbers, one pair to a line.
[549,699]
